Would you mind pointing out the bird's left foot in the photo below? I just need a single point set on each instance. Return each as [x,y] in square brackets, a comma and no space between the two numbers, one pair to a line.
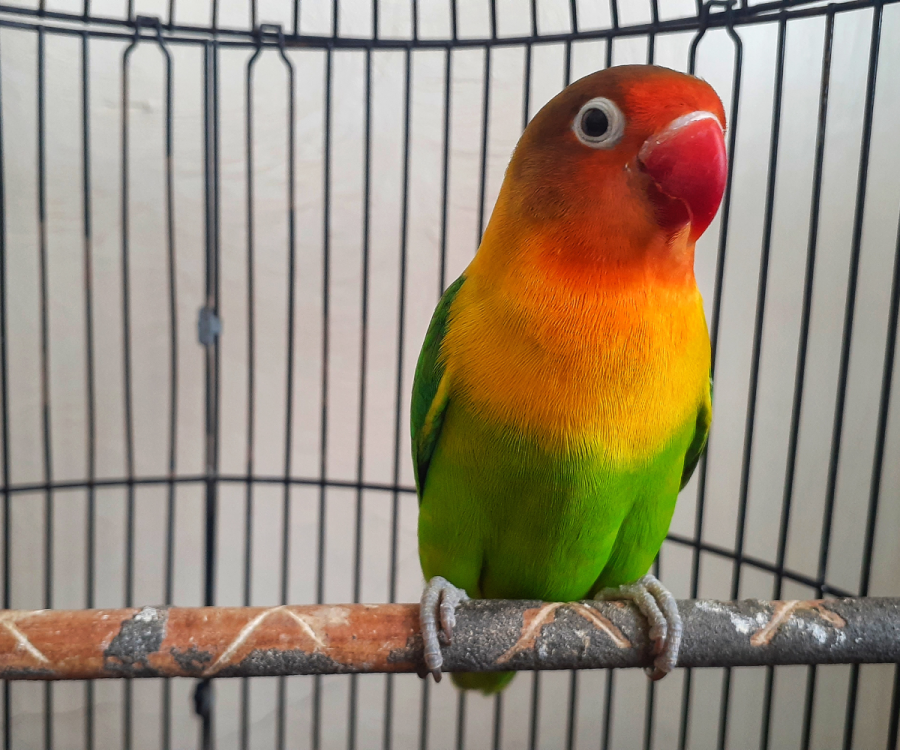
[437,615]
[658,605]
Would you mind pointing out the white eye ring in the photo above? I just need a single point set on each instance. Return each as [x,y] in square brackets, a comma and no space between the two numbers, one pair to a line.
[615,124]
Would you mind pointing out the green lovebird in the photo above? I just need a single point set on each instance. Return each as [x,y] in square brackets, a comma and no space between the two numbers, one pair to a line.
[562,395]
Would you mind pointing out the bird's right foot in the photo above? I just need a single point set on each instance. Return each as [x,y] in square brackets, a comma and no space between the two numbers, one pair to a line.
[439,602]
[658,605]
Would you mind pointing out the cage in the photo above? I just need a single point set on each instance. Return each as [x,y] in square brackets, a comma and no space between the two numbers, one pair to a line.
[224,228]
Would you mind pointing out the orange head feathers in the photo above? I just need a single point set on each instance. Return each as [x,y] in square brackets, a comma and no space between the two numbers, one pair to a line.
[625,168]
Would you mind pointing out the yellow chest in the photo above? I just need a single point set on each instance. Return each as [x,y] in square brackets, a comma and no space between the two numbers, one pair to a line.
[614,372]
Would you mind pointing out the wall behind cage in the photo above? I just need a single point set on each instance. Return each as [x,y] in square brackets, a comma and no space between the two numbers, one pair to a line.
[364,290]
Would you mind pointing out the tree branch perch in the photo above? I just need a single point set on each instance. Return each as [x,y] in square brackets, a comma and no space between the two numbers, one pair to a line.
[490,635]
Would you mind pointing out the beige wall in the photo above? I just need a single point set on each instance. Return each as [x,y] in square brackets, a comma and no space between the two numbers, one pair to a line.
[151,357]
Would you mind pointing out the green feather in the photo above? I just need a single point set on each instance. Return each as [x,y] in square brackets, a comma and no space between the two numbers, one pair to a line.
[701,435]
[502,517]
[426,415]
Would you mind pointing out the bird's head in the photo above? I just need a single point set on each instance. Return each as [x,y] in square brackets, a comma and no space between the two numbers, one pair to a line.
[629,158]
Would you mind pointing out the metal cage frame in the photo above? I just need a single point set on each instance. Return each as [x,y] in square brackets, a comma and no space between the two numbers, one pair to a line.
[137,30]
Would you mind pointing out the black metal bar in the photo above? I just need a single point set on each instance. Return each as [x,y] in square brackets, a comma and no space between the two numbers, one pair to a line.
[353,701]
[497,721]
[126,369]
[850,303]
[44,359]
[4,417]
[203,696]
[399,393]
[750,419]
[572,710]
[651,684]
[800,371]
[461,720]
[91,427]
[875,482]
[485,123]
[880,439]
[323,452]
[608,709]
[534,711]
[846,338]
[614,18]
[244,731]
[281,709]
[651,37]
[169,584]
[878,464]
[702,469]
[808,707]
[894,720]
[240,37]
[442,283]
[423,725]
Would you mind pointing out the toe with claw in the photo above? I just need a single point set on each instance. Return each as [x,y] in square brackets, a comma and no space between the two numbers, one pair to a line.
[439,602]
[658,605]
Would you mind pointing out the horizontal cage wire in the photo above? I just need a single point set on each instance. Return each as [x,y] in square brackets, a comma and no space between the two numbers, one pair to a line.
[224,228]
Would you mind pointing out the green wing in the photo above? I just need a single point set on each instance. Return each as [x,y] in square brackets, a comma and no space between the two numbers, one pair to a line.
[701,435]
[430,392]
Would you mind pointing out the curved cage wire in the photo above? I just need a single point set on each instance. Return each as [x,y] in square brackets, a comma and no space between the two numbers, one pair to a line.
[223,230]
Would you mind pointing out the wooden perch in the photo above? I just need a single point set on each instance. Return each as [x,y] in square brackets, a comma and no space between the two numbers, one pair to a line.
[490,635]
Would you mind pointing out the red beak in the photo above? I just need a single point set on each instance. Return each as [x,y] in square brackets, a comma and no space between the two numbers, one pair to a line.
[687,162]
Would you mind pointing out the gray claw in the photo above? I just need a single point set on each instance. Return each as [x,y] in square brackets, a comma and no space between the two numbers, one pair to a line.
[439,602]
[658,605]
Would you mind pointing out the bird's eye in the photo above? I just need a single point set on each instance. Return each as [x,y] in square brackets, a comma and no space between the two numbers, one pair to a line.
[599,123]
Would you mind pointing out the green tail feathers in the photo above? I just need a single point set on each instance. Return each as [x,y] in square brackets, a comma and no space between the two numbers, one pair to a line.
[487,682]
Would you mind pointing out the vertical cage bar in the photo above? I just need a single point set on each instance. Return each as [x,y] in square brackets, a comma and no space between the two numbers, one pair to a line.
[702,469]
[91,436]
[608,710]
[485,124]
[203,695]
[169,585]
[498,722]
[614,16]
[572,710]
[884,402]
[800,370]
[534,711]
[281,710]
[844,368]
[251,382]
[4,414]
[126,369]
[401,342]
[442,283]
[894,721]
[651,37]
[529,54]
[461,720]
[850,303]
[651,684]
[353,702]
[45,360]
[323,436]
[750,417]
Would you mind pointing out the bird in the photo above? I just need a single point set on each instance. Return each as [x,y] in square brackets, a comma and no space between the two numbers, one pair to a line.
[562,397]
